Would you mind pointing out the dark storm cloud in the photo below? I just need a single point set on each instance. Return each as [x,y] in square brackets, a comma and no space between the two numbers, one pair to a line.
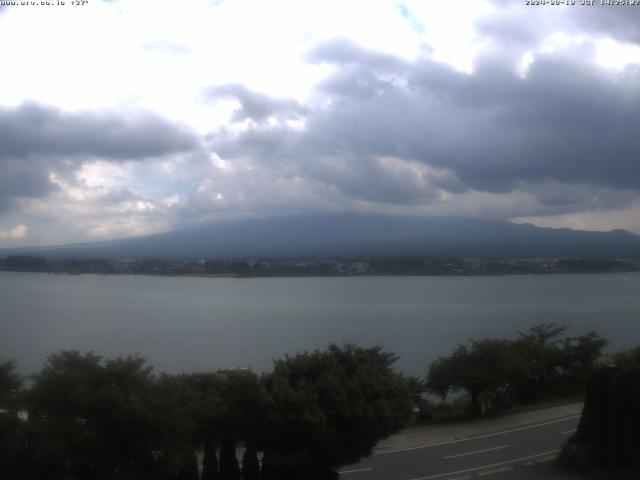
[20,179]
[255,106]
[621,22]
[32,129]
[370,179]
[514,21]
[557,198]
[16,180]
[34,139]
[565,122]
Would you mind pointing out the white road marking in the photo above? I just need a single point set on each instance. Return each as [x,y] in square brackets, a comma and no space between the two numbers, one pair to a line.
[355,471]
[477,451]
[494,471]
[450,442]
[567,432]
[543,460]
[515,460]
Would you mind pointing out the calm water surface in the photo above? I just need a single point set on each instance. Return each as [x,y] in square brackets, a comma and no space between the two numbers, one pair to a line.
[193,324]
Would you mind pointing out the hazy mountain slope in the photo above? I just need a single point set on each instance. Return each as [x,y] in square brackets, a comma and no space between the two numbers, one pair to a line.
[358,234]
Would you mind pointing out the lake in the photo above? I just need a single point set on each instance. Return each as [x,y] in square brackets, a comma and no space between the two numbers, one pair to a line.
[184,324]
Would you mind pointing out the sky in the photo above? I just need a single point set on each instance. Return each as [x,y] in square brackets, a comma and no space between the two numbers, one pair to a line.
[125,118]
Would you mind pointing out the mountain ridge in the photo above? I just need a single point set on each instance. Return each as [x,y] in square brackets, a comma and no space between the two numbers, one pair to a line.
[353,234]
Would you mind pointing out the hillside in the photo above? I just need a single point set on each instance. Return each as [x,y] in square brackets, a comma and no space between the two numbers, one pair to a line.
[356,234]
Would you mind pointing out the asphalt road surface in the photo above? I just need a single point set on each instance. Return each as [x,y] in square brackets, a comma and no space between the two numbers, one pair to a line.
[495,454]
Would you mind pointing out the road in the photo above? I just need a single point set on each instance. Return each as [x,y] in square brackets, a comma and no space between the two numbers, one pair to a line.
[494,454]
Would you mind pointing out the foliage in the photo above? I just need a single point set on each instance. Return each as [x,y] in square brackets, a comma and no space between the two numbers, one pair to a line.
[106,419]
[244,407]
[482,369]
[608,435]
[250,464]
[537,358]
[627,360]
[331,408]
[229,468]
[579,357]
[209,460]
[421,406]
[10,383]
[25,263]
[13,435]
[103,419]
[499,372]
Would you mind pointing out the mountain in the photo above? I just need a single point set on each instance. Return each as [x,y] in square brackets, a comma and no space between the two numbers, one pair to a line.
[353,234]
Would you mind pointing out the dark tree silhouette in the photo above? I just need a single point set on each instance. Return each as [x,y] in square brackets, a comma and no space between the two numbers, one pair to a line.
[498,372]
[329,408]
[482,369]
[229,468]
[210,460]
[250,464]
[10,383]
[104,419]
[14,456]
[608,435]
[188,469]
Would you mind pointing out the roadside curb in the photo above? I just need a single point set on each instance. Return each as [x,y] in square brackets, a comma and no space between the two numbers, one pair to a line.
[430,435]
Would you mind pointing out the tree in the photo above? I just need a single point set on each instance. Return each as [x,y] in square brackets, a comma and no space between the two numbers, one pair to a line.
[10,383]
[579,358]
[537,357]
[330,408]
[91,415]
[229,468]
[627,360]
[15,460]
[243,407]
[13,435]
[210,460]
[188,469]
[250,464]
[420,404]
[232,410]
[174,432]
[608,435]
[99,419]
[25,263]
[445,374]
[497,372]
[482,370]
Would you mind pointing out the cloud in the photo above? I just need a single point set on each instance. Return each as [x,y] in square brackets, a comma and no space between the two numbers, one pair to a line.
[515,28]
[82,208]
[16,233]
[36,140]
[343,51]
[34,129]
[22,179]
[621,23]
[565,123]
[255,106]
[477,109]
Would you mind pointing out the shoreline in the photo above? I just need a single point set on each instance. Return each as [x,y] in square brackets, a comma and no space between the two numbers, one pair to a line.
[328,275]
